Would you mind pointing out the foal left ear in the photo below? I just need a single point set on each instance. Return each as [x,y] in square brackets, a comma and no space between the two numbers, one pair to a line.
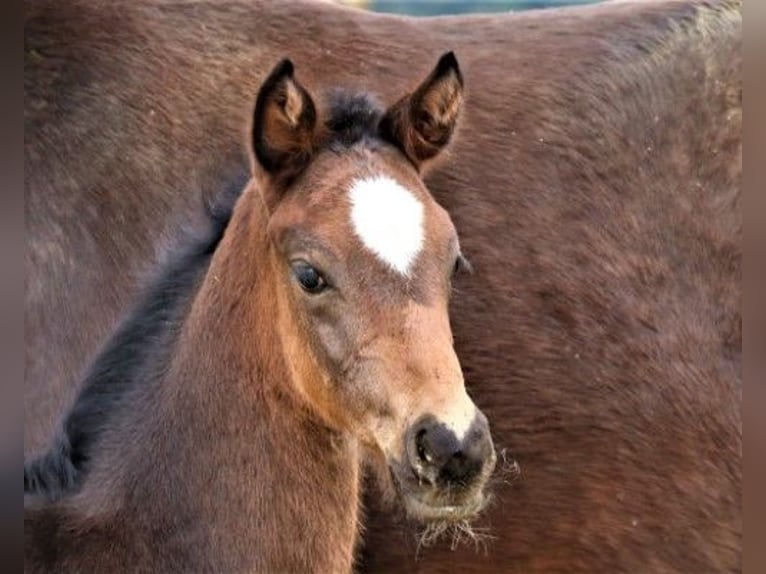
[283,124]
[421,123]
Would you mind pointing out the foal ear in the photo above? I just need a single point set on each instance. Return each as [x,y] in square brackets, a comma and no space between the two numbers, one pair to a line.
[421,123]
[283,124]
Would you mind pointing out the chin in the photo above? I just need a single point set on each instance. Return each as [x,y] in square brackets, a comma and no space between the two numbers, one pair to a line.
[426,511]
[429,503]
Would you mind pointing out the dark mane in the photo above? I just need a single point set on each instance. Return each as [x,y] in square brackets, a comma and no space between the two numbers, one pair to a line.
[134,351]
[352,117]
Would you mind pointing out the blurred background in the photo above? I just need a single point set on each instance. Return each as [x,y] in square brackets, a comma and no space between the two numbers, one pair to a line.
[434,7]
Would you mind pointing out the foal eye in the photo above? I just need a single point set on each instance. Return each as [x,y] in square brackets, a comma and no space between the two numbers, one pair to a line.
[309,278]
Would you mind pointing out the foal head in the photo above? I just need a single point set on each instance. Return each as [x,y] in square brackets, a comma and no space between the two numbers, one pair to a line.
[363,258]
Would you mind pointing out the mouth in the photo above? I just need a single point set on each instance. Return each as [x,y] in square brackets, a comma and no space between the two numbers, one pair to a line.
[441,479]
[425,503]
[426,512]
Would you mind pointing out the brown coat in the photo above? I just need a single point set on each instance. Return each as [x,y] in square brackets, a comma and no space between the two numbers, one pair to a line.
[595,184]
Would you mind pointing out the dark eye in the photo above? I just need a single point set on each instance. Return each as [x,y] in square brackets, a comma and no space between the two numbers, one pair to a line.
[309,278]
[461,264]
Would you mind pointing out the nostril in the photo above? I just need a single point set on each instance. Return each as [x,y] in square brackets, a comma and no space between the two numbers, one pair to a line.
[422,449]
[439,456]
[460,469]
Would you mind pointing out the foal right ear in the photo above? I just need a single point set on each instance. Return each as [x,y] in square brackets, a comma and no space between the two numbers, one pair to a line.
[421,123]
[284,122]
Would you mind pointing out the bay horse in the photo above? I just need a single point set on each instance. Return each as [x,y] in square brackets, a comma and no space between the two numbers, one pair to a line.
[220,428]
[594,182]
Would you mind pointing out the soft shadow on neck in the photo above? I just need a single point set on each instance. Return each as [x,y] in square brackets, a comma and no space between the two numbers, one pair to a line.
[141,344]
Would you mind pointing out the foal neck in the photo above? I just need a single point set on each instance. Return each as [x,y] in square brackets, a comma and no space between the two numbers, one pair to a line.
[223,455]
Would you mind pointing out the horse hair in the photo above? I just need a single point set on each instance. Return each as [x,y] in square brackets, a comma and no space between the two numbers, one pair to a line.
[352,117]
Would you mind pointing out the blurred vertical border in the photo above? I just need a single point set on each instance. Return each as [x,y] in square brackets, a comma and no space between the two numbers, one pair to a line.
[12,248]
[754,299]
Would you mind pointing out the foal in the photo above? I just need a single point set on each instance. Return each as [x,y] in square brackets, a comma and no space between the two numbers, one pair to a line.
[221,428]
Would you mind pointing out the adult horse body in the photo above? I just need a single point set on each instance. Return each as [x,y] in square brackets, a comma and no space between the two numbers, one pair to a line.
[595,186]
